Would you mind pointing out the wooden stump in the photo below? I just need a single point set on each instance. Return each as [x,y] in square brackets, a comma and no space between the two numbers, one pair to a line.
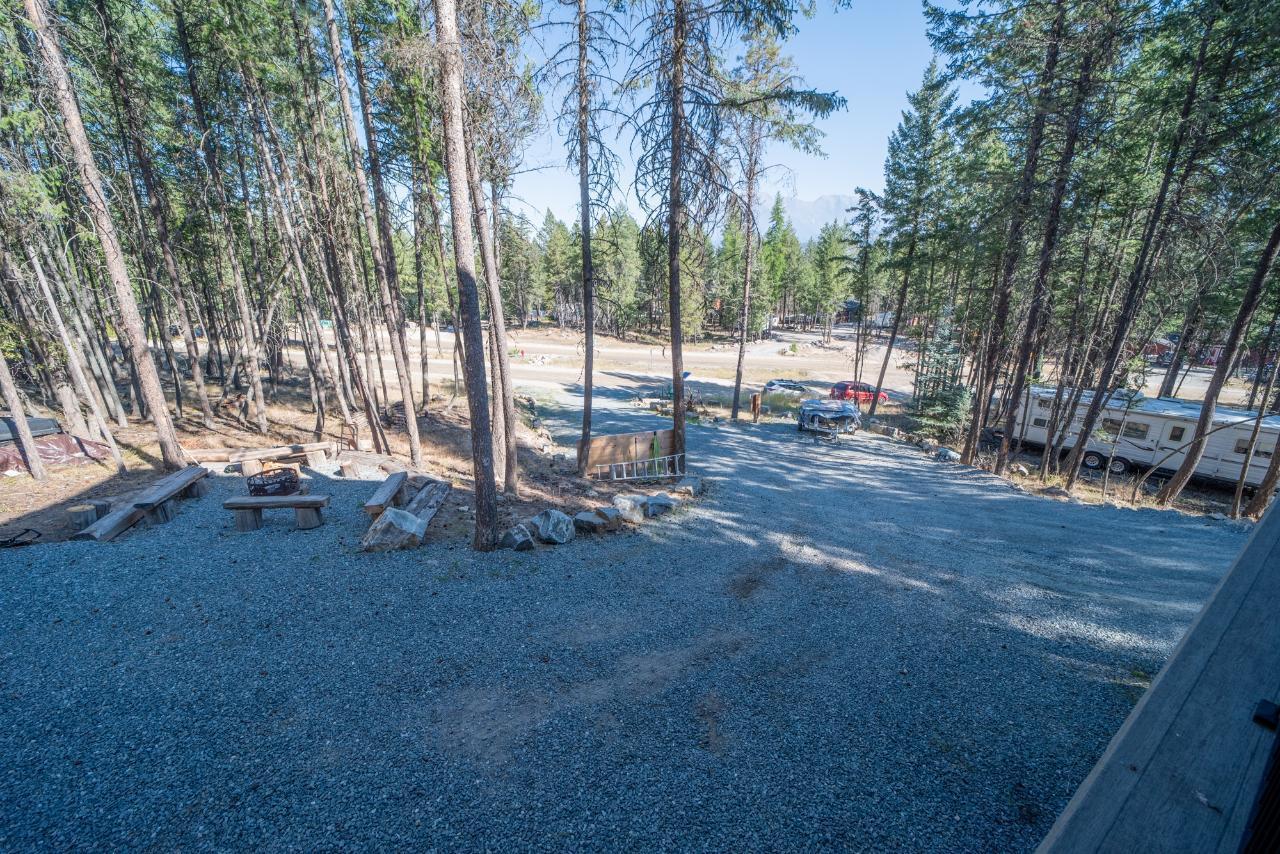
[161,513]
[249,468]
[197,490]
[316,458]
[248,520]
[81,516]
[306,518]
[350,470]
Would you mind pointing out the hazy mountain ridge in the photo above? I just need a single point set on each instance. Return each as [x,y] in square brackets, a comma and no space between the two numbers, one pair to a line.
[808,216]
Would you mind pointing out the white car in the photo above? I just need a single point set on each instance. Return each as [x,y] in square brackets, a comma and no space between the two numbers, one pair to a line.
[784,387]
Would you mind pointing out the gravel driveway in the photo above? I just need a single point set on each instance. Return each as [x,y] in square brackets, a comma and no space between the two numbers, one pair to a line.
[850,647]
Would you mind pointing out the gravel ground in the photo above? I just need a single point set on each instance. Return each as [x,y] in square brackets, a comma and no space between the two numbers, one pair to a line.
[851,647]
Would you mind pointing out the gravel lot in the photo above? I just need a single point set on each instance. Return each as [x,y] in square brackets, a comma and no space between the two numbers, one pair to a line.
[853,647]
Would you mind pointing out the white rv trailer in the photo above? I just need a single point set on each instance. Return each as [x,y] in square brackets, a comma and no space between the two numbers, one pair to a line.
[1143,431]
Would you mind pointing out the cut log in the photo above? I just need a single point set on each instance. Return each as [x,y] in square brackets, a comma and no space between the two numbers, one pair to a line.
[249,468]
[199,489]
[305,518]
[209,455]
[248,520]
[282,451]
[81,516]
[394,529]
[169,486]
[427,503]
[268,502]
[316,458]
[385,494]
[160,513]
[111,525]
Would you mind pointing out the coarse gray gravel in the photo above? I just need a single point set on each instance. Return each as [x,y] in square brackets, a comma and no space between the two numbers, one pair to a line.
[852,647]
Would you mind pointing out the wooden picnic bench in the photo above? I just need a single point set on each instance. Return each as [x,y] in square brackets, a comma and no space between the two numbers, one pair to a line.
[248,509]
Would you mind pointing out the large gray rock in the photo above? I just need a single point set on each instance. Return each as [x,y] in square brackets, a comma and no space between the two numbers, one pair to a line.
[656,505]
[588,522]
[947,455]
[394,529]
[631,506]
[552,526]
[688,485]
[517,537]
[611,516]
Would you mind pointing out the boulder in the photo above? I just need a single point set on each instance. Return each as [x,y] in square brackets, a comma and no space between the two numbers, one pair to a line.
[394,529]
[656,505]
[552,526]
[1020,470]
[630,507]
[517,538]
[688,485]
[611,517]
[947,455]
[588,522]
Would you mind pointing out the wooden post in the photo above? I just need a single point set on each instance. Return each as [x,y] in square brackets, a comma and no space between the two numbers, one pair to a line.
[248,520]
[306,518]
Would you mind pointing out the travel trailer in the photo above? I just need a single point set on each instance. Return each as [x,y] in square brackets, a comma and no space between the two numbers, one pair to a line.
[1139,432]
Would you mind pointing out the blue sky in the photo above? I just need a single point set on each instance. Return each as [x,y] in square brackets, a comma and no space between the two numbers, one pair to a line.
[871,54]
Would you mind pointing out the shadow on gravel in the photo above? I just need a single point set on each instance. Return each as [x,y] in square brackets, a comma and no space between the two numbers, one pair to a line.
[846,646]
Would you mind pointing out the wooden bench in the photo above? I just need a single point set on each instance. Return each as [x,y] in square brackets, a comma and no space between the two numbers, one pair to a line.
[155,502]
[248,509]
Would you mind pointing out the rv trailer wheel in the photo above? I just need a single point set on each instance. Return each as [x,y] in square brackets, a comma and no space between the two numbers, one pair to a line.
[1092,460]
[1119,465]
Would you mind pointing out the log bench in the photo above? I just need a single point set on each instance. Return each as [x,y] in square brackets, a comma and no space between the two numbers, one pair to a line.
[155,503]
[248,509]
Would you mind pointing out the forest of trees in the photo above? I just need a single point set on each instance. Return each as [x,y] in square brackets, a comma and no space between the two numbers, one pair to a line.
[185,188]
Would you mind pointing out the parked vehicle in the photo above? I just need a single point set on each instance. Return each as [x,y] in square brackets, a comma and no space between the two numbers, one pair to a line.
[1138,432]
[784,387]
[831,417]
[860,392]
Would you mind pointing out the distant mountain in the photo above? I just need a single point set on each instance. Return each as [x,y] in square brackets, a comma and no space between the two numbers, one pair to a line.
[808,216]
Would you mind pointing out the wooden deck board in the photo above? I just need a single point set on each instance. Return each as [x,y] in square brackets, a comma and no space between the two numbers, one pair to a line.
[1183,772]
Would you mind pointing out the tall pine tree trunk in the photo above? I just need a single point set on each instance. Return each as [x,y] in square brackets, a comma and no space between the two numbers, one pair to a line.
[132,331]
[675,214]
[384,275]
[584,213]
[450,49]
[1235,340]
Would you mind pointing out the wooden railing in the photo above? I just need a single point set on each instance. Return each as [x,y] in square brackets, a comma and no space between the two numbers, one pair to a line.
[1185,770]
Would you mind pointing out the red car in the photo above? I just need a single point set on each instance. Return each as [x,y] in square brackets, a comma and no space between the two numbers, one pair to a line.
[861,392]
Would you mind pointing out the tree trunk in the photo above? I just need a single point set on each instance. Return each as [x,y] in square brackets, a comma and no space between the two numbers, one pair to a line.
[450,49]
[384,275]
[1149,247]
[897,322]
[1048,248]
[749,215]
[1248,305]
[91,183]
[584,205]
[675,214]
[1019,214]
[13,401]
[504,393]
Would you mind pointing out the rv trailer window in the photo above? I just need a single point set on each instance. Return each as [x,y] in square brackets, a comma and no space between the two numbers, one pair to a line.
[1132,429]
[1042,403]
[1242,448]
[1039,422]
[1176,434]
